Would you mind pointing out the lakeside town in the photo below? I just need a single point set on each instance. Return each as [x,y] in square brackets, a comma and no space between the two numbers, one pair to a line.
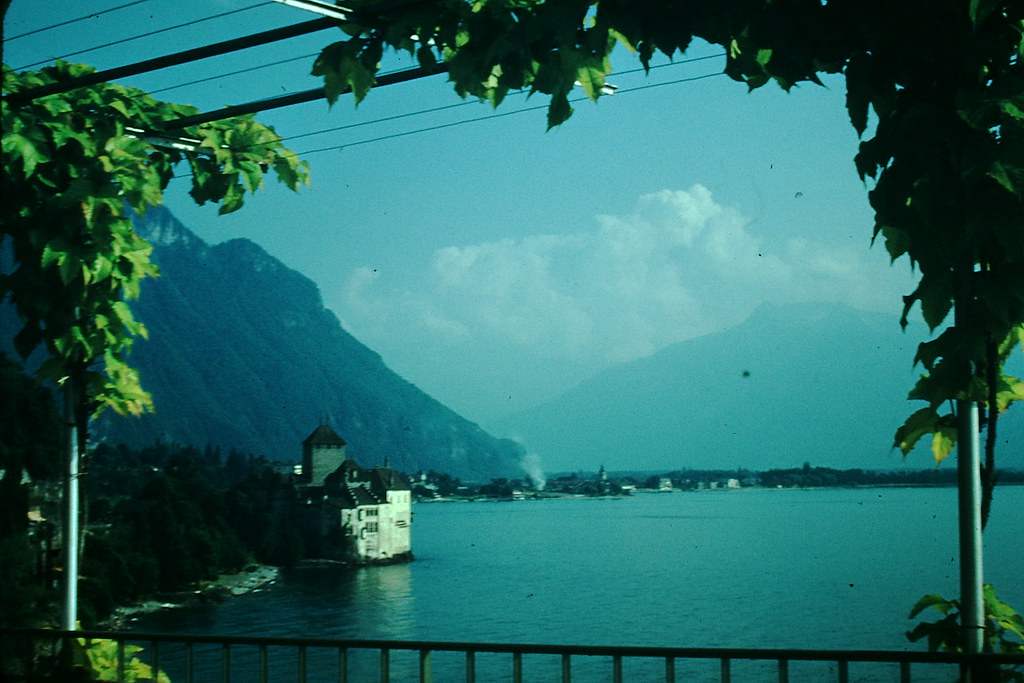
[434,486]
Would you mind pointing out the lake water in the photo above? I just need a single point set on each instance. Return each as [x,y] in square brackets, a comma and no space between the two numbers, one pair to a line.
[831,568]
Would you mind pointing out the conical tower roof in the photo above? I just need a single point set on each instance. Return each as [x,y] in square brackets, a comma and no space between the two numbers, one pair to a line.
[324,436]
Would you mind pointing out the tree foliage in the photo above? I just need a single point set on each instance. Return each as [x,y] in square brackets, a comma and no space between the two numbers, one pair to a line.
[171,517]
[1004,630]
[75,165]
[29,452]
[935,89]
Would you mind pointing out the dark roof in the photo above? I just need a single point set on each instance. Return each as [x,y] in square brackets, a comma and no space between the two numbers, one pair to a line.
[324,436]
[362,496]
[354,496]
[386,479]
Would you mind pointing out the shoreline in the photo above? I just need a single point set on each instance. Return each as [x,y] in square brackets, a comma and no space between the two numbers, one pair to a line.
[222,588]
[563,495]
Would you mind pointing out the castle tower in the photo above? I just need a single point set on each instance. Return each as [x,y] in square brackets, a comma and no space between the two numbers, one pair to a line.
[323,451]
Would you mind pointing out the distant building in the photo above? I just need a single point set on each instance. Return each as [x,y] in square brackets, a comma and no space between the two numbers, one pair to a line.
[349,513]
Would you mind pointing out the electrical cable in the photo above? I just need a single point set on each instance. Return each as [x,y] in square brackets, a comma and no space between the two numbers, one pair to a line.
[446,107]
[72,21]
[311,95]
[238,72]
[149,34]
[453,124]
[194,54]
[267,65]
[295,98]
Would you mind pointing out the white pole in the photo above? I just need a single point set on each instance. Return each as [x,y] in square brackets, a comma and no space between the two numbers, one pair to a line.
[972,607]
[69,616]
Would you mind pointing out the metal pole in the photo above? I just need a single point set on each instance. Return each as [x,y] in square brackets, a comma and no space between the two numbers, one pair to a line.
[972,607]
[968,457]
[69,617]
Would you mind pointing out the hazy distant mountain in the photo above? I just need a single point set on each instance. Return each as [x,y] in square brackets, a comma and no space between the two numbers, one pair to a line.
[818,383]
[243,354]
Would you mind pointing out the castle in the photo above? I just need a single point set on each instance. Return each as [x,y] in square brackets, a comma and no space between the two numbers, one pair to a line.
[349,513]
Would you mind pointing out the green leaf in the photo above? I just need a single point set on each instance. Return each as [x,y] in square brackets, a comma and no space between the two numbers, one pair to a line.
[1002,175]
[27,339]
[921,422]
[559,110]
[858,91]
[51,256]
[22,147]
[1010,392]
[943,441]
[233,198]
[940,603]
[344,71]
[981,10]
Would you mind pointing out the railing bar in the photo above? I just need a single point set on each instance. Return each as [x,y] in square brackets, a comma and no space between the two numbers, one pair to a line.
[566,668]
[617,669]
[425,671]
[226,663]
[209,645]
[154,648]
[470,666]
[302,664]
[385,665]
[342,665]
[670,670]
[189,676]
[726,670]
[264,669]
[120,660]
[517,667]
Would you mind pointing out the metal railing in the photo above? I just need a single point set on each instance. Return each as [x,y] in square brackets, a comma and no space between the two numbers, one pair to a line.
[35,655]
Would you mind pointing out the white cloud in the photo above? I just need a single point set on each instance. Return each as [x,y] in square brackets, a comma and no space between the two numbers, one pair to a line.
[678,266]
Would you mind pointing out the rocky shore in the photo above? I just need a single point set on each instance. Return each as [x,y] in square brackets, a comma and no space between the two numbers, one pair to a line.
[222,588]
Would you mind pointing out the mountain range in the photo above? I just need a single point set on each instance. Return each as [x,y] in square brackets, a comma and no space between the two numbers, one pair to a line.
[242,354]
[807,382]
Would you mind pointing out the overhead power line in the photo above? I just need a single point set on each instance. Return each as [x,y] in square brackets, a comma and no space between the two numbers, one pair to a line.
[175,59]
[236,72]
[468,103]
[149,34]
[68,22]
[295,98]
[453,124]
[399,77]
[318,93]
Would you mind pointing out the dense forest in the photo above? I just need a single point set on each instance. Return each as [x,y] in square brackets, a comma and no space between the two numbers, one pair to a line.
[158,520]
[162,519]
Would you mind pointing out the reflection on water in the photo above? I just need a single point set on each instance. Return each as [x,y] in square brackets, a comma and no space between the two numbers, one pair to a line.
[315,602]
[833,568]
[350,603]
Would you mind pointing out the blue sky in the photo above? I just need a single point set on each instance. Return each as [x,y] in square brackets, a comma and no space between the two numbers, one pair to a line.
[495,264]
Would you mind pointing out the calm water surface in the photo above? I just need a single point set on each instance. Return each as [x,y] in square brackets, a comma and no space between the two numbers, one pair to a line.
[832,568]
